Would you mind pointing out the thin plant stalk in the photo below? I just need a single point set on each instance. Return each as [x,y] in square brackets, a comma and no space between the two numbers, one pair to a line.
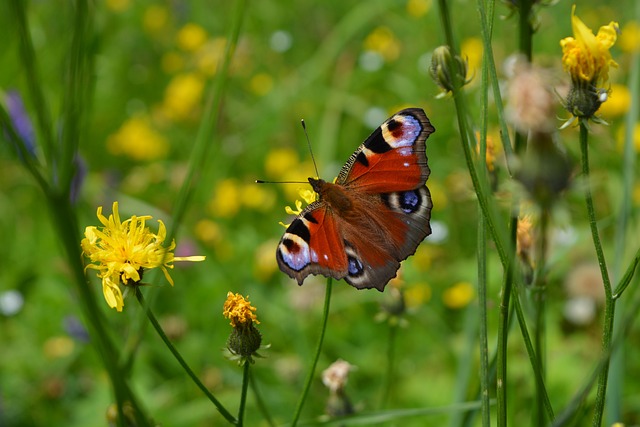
[154,322]
[483,331]
[617,367]
[243,395]
[316,356]
[539,294]
[609,304]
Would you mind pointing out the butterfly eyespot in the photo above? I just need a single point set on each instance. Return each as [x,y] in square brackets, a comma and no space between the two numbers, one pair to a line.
[298,228]
[355,267]
[409,201]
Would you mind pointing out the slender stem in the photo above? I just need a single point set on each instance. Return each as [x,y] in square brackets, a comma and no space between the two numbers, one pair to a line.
[541,391]
[539,294]
[609,307]
[243,396]
[387,384]
[314,363]
[480,185]
[484,341]
[154,322]
[30,69]
[617,373]
[525,38]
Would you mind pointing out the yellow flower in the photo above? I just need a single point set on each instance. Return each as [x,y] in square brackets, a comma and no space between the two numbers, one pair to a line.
[309,196]
[418,8]
[155,19]
[280,161]
[586,56]
[138,140]
[191,37]
[458,295]
[618,101]
[471,51]
[630,37]
[121,250]
[383,41]
[261,84]
[239,310]
[225,199]
[182,96]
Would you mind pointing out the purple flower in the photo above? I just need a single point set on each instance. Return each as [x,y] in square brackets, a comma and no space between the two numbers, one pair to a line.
[21,121]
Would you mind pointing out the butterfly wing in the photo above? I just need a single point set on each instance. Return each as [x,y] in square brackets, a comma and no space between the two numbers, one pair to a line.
[313,244]
[393,157]
[388,214]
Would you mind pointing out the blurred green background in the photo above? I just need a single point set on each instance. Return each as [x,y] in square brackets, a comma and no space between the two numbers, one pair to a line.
[343,66]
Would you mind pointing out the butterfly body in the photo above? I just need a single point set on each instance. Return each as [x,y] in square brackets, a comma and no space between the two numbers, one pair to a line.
[373,216]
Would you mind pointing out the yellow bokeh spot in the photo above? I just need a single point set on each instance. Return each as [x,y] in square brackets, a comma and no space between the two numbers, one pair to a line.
[630,37]
[172,62]
[458,295]
[438,195]
[155,19]
[138,140]
[417,295]
[118,5]
[57,347]
[617,103]
[418,8]
[209,57]
[636,137]
[423,258]
[257,196]
[265,263]
[208,231]
[471,51]
[226,199]
[261,84]
[191,37]
[280,162]
[383,41]
[182,96]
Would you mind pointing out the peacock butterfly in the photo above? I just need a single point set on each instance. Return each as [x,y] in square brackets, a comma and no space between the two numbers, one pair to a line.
[375,214]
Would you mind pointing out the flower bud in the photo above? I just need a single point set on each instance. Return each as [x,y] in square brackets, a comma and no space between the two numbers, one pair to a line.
[449,72]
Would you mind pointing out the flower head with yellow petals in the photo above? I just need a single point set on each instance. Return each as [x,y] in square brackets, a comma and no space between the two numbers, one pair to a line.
[120,251]
[244,340]
[587,59]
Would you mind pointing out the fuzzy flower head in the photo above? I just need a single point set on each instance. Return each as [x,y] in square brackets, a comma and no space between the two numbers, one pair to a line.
[120,251]
[239,310]
[245,339]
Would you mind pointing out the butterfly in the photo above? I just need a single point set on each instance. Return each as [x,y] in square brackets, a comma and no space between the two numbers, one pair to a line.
[373,216]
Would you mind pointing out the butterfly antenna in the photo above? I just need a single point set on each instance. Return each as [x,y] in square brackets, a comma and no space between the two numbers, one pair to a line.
[313,159]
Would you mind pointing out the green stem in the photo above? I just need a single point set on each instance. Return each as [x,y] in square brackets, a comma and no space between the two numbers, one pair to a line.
[617,373]
[609,307]
[484,340]
[243,396]
[314,363]
[480,186]
[30,69]
[539,294]
[154,322]
[541,391]
[525,38]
